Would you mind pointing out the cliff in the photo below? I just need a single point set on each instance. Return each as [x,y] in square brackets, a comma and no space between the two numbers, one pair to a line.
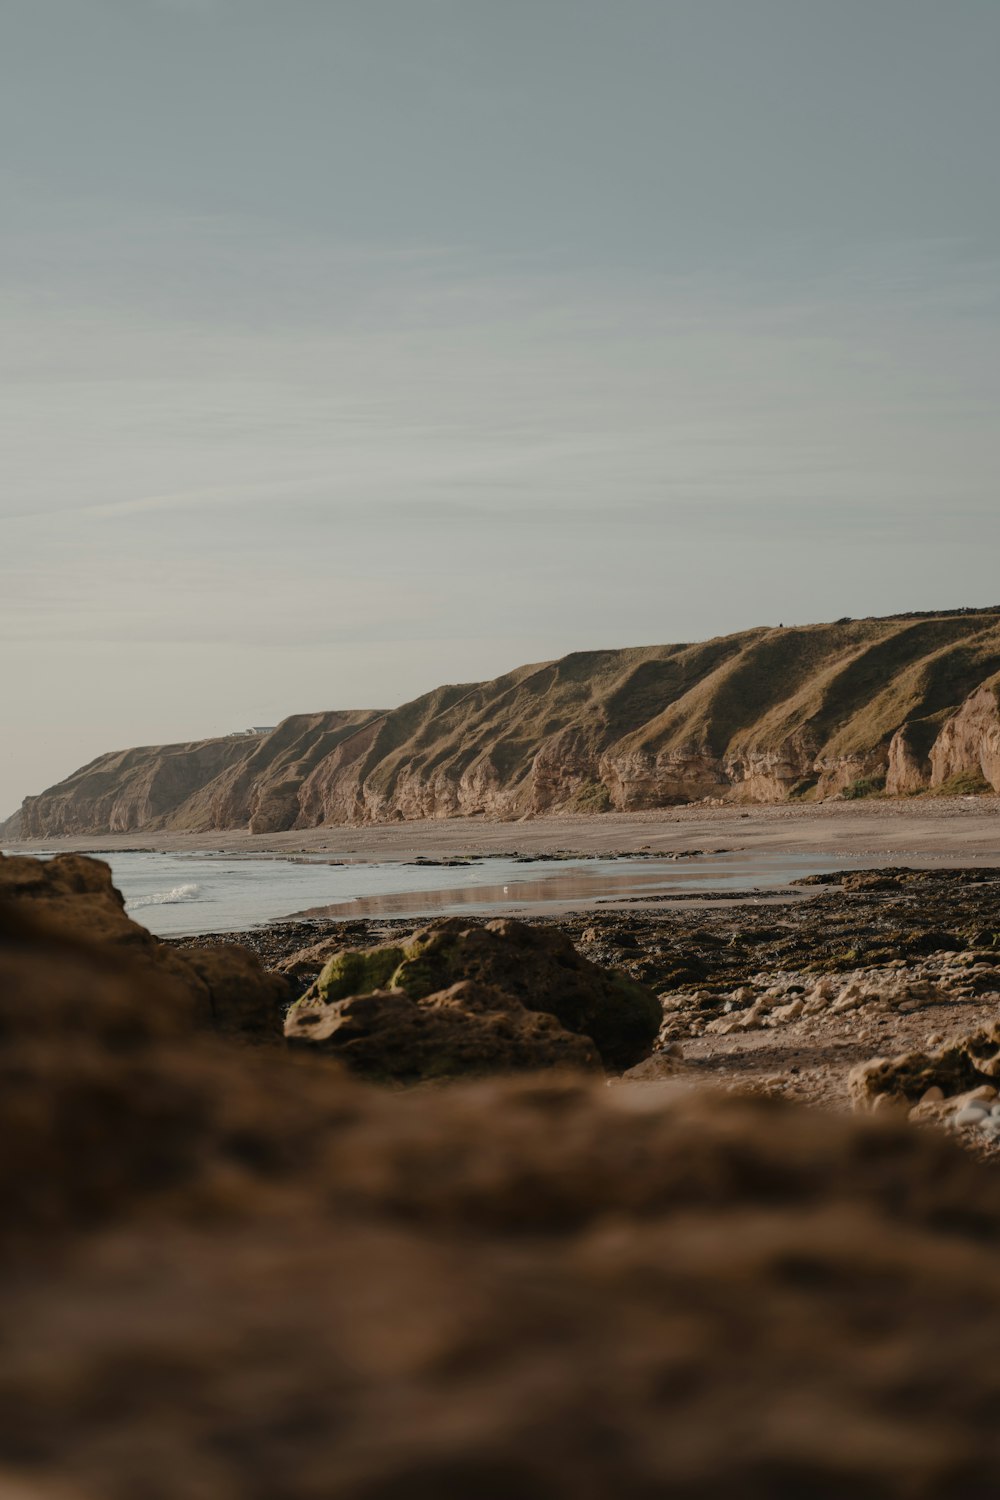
[909,702]
[236,782]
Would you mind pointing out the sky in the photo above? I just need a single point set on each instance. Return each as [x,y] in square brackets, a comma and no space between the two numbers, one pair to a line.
[351,347]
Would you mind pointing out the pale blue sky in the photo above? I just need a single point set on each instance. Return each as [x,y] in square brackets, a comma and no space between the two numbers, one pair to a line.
[355,346]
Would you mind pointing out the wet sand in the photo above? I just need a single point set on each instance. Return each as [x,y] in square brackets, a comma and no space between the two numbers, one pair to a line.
[711,879]
[962,830]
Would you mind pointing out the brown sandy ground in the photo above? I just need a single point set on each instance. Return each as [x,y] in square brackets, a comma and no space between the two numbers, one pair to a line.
[234,1274]
[956,829]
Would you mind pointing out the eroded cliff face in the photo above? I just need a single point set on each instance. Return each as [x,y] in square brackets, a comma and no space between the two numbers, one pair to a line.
[248,781]
[969,741]
[907,768]
[638,779]
[761,716]
[128,790]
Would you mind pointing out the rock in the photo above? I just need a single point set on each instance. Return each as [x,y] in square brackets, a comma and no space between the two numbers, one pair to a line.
[722,1027]
[972,1114]
[753,1017]
[309,963]
[231,1272]
[665,1064]
[968,745]
[933,1095]
[220,986]
[242,997]
[471,1028]
[930,1111]
[958,1066]
[80,1022]
[789,1012]
[979,1100]
[538,967]
[870,880]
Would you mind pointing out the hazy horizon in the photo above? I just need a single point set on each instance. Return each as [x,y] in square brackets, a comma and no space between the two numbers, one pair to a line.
[360,346]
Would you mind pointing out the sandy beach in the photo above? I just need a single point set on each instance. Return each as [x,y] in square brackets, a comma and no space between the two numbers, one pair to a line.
[960,830]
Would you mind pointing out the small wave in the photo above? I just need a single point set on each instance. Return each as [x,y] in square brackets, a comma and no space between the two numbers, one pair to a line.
[166,898]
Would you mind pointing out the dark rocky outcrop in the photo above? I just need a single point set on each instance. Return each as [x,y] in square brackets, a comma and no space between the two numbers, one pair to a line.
[909,703]
[222,987]
[537,970]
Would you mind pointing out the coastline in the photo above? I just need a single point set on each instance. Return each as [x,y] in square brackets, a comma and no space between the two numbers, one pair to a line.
[960,830]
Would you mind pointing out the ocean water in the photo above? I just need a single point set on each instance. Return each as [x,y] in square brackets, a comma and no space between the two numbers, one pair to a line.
[187,894]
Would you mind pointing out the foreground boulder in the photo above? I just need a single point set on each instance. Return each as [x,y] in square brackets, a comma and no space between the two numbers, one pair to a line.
[225,1277]
[536,968]
[221,986]
[87,1033]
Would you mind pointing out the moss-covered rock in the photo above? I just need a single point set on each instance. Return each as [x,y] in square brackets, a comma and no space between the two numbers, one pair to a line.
[358,971]
[537,967]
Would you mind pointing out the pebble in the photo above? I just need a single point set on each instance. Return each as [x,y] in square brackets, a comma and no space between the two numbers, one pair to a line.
[972,1114]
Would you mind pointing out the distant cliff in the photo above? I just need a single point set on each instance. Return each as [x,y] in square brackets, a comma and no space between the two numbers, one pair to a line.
[907,703]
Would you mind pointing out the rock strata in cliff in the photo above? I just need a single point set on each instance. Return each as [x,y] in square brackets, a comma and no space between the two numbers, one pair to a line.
[907,703]
[969,742]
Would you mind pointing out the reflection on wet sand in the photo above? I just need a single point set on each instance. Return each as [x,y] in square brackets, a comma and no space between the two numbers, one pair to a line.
[599,882]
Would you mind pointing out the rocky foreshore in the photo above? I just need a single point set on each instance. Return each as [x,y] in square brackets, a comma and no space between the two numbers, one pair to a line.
[785,998]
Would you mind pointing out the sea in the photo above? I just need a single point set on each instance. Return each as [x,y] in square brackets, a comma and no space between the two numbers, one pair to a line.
[205,892]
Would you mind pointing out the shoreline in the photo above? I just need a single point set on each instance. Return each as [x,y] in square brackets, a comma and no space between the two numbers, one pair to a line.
[962,830]
[902,964]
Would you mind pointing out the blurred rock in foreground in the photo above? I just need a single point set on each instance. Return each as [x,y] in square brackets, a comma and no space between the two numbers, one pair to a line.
[220,986]
[235,1274]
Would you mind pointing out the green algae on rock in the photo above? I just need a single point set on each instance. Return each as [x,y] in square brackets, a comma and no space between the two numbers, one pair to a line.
[538,968]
